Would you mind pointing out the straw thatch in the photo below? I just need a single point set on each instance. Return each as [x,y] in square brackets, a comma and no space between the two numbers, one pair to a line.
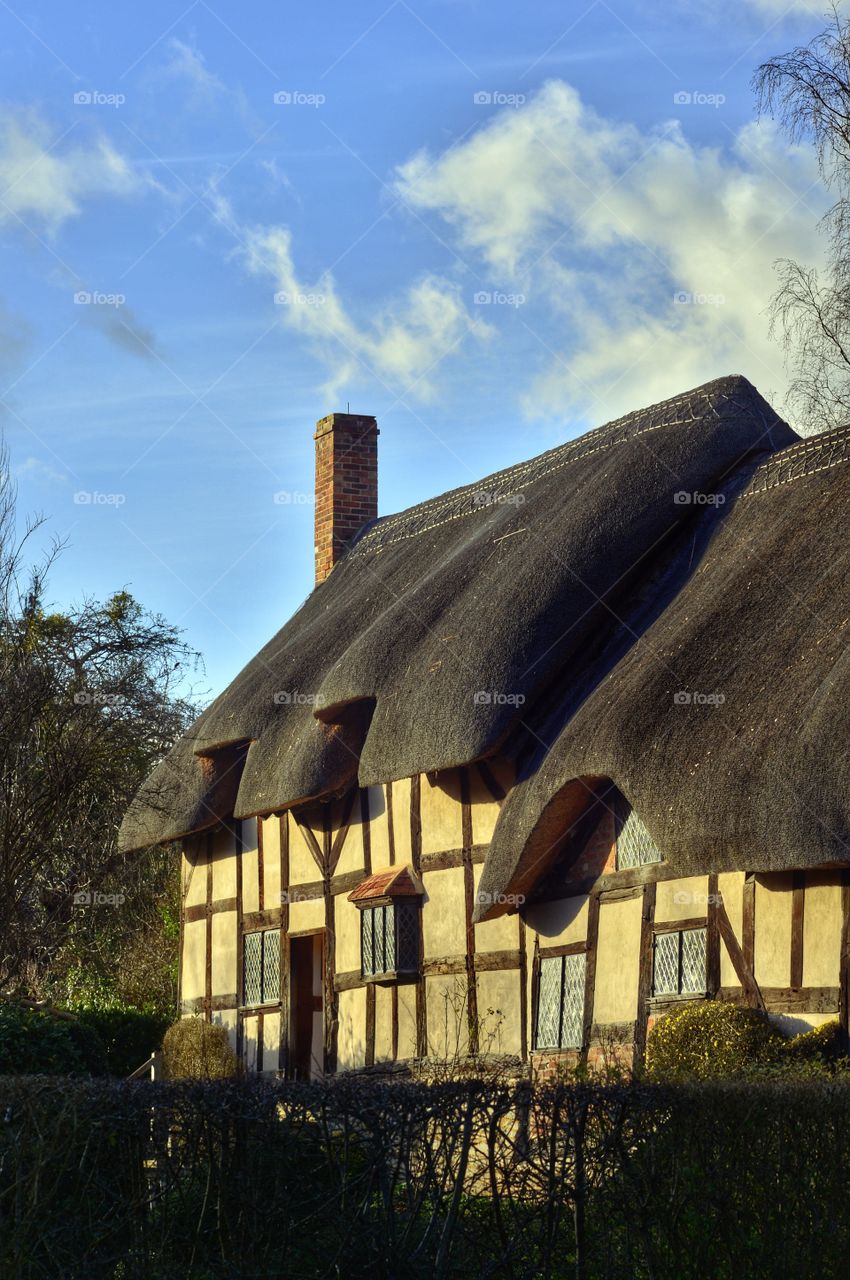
[747,767]
[447,627]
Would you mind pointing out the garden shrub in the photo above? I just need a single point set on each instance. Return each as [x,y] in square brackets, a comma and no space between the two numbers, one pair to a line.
[197,1050]
[128,1036]
[37,1042]
[711,1040]
[822,1046]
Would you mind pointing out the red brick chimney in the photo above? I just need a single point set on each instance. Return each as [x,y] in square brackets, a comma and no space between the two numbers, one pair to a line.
[346,483]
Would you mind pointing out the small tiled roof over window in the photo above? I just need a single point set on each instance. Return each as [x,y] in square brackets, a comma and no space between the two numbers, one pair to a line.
[395,882]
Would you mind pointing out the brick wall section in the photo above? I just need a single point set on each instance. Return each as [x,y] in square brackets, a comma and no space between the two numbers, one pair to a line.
[346,483]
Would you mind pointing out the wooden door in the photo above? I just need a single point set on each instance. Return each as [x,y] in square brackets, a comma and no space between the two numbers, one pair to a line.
[307,1012]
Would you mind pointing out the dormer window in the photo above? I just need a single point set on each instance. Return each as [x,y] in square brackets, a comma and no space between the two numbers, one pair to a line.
[390,904]
[635,846]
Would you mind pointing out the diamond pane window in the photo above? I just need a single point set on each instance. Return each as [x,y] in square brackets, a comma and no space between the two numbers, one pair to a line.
[560,1002]
[261,967]
[635,846]
[679,962]
[693,959]
[407,936]
[390,938]
[271,966]
[253,968]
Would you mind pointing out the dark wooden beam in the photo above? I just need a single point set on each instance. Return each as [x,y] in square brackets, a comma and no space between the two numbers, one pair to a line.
[331,1000]
[390,823]
[712,940]
[318,853]
[798,906]
[523,991]
[564,949]
[218,1004]
[644,971]
[448,858]
[261,873]
[590,970]
[283,1048]
[844,959]
[370,1021]
[208,932]
[469,909]
[240,932]
[366,824]
[793,1000]
[748,926]
[421,998]
[268,919]
[677,926]
[743,971]
[342,832]
[200,910]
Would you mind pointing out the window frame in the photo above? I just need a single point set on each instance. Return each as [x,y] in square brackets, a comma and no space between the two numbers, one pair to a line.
[404,966]
[579,954]
[681,993]
[263,1000]
[623,812]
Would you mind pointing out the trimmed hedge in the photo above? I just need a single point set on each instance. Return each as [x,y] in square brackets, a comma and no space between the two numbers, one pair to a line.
[236,1179]
[87,1042]
[36,1042]
[128,1036]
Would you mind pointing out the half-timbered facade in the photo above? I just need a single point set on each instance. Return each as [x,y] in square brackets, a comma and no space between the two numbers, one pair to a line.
[535,761]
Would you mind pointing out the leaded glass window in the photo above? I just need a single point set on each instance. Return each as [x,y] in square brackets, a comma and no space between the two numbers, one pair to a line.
[635,846]
[390,938]
[261,967]
[560,1002]
[679,962]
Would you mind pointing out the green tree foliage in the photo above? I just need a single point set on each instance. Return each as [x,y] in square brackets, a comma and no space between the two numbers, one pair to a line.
[90,699]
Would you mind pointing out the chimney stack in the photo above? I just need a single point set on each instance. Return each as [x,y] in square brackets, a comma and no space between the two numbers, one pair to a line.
[346,483]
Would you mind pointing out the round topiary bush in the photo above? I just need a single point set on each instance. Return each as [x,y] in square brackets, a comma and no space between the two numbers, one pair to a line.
[711,1040]
[197,1050]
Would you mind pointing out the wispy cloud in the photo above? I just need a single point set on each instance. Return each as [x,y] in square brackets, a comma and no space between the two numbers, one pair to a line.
[45,179]
[647,261]
[401,344]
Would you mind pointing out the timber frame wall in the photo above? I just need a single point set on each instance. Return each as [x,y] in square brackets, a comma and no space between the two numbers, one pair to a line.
[779,942]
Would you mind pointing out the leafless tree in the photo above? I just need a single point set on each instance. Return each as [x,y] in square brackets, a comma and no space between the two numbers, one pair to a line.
[808,92]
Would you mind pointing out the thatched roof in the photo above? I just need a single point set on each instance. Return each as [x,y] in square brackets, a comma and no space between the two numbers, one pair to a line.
[750,769]
[448,627]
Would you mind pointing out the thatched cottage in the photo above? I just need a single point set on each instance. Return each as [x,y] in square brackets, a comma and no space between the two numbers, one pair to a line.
[536,759]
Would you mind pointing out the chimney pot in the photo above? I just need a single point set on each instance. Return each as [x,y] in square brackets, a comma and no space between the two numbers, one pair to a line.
[346,484]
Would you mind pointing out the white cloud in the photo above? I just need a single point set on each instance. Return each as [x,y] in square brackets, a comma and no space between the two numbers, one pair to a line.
[402,345]
[44,181]
[188,64]
[602,225]
[38,471]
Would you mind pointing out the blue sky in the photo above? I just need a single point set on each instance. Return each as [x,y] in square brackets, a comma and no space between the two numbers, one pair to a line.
[492,227]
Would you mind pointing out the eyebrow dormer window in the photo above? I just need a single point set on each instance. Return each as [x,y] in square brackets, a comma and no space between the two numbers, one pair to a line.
[635,846]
